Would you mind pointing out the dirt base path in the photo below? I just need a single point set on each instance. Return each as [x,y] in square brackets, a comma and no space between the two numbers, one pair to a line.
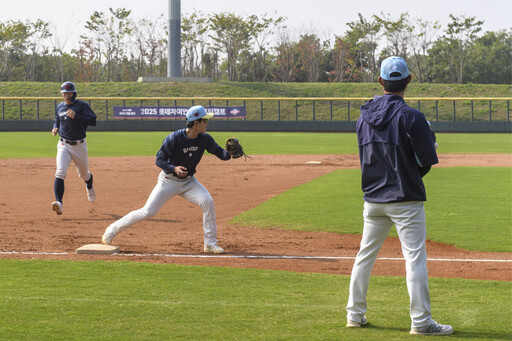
[29,229]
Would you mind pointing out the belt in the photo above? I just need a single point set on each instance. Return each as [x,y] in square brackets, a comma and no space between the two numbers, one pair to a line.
[71,142]
[175,177]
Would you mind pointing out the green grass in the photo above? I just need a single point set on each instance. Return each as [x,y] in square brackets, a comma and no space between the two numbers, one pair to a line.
[249,89]
[458,207]
[135,301]
[43,144]
[62,300]
[470,207]
[331,203]
[255,90]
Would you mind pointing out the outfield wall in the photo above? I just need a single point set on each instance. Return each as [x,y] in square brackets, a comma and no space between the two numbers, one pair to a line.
[237,125]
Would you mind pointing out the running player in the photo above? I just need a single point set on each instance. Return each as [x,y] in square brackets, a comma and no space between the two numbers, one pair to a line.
[72,117]
[178,157]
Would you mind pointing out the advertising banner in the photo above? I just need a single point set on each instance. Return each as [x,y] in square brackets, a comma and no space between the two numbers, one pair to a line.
[174,112]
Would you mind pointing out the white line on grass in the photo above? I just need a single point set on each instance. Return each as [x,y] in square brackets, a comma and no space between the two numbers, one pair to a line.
[173,255]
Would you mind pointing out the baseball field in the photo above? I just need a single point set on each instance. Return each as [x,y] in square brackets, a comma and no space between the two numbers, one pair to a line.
[291,231]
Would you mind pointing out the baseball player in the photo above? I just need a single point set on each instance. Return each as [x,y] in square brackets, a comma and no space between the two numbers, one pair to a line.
[178,158]
[396,149]
[72,117]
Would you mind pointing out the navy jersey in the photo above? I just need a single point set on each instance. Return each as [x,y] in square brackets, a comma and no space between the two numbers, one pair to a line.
[74,129]
[179,150]
[396,149]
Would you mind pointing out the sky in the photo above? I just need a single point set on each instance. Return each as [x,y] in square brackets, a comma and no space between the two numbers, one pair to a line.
[326,18]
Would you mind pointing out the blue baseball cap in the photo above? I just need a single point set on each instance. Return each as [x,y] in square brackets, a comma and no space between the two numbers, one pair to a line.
[394,69]
[196,112]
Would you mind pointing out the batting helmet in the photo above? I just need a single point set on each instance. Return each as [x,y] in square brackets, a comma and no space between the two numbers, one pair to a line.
[68,87]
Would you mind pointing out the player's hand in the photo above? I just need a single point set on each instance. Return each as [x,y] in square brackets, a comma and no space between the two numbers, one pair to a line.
[70,113]
[54,131]
[180,171]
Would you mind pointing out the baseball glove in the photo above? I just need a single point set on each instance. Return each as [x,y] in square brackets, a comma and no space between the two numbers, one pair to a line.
[234,148]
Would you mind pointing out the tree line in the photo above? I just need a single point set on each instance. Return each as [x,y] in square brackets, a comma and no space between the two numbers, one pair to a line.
[118,47]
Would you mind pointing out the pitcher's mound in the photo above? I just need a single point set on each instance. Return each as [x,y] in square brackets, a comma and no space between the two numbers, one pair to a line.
[97,249]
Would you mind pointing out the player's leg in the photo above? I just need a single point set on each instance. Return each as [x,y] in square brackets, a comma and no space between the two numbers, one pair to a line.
[162,192]
[376,228]
[197,194]
[63,161]
[81,159]
[410,222]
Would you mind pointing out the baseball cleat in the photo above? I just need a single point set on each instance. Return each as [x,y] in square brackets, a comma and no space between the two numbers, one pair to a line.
[107,237]
[354,324]
[91,194]
[213,249]
[433,329]
[57,207]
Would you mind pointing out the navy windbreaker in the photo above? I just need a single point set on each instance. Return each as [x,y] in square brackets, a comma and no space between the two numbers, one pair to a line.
[396,149]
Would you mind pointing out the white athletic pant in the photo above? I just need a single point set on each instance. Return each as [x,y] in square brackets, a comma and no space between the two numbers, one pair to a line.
[76,153]
[410,222]
[166,188]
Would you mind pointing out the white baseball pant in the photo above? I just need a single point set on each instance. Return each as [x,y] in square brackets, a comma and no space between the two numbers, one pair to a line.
[166,188]
[76,153]
[410,222]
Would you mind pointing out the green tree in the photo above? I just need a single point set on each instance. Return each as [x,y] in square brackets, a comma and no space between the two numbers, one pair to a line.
[108,40]
[194,44]
[310,55]
[261,59]
[286,57]
[459,41]
[13,40]
[398,34]
[364,35]
[441,65]
[149,46]
[343,64]
[231,35]
[421,41]
[89,63]
[491,59]
[37,35]
[59,40]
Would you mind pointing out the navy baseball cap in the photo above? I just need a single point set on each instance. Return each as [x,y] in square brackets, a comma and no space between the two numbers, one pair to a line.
[197,112]
[394,69]
[68,87]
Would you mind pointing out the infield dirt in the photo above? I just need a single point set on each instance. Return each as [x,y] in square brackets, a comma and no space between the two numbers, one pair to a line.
[123,184]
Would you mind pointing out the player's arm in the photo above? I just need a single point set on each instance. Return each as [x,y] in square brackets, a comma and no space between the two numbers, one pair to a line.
[213,148]
[422,142]
[164,154]
[56,123]
[86,116]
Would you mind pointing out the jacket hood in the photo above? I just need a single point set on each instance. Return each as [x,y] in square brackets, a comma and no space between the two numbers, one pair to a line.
[379,111]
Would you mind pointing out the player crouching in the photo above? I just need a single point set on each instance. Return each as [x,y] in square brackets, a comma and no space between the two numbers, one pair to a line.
[178,157]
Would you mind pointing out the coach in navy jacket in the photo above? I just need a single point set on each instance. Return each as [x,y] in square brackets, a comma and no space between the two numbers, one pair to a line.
[396,149]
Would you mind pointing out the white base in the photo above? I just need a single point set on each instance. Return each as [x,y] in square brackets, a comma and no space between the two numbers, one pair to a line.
[97,249]
[314,163]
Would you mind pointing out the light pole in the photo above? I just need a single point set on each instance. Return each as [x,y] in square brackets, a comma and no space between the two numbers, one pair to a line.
[174,45]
